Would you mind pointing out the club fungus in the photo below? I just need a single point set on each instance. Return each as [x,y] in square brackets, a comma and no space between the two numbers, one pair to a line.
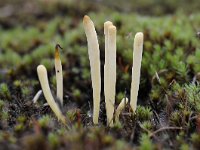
[93,51]
[59,74]
[110,70]
[36,97]
[106,25]
[119,109]
[137,58]
[43,78]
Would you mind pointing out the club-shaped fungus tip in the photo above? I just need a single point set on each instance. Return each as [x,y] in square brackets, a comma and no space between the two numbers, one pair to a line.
[86,19]
[41,69]
[139,38]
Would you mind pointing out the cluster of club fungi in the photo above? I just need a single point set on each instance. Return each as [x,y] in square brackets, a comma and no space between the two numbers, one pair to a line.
[109,74]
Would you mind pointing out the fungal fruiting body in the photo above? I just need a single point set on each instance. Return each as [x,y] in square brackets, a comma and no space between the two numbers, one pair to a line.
[59,75]
[94,57]
[119,109]
[36,97]
[110,70]
[106,25]
[43,78]
[137,58]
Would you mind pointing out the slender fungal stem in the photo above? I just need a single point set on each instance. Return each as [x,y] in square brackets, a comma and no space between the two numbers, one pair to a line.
[110,73]
[59,75]
[43,78]
[107,24]
[36,97]
[94,57]
[137,58]
[119,109]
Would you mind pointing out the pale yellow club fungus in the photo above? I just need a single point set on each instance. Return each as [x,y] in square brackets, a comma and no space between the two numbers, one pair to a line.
[119,109]
[106,25]
[94,57]
[137,58]
[110,72]
[43,78]
[59,74]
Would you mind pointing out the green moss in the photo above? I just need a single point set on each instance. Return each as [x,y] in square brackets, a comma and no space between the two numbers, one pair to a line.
[53,140]
[77,93]
[85,74]
[144,113]
[44,121]
[108,139]
[4,112]
[193,96]
[155,94]
[48,63]
[26,91]
[147,125]
[21,119]
[4,115]
[146,143]
[185,147]
[119,97]
[195,138]
[19,128]
[180,138]
[1,104]
[175,118]
[17,83]
[4,91]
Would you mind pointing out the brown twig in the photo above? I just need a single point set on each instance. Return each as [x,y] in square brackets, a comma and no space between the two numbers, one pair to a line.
[165,128]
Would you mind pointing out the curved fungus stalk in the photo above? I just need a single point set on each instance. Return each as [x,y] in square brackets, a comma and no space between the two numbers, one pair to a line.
[59,74]
[43,78]
[119,109]
[37,96]
[137,58]
[94,57]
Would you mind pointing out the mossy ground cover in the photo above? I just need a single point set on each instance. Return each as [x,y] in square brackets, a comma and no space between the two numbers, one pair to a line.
[169,95]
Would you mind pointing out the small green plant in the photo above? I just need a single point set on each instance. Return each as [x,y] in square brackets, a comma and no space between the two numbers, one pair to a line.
[144,113]
[4,91]
[44,121]
[193,96]
[146,143]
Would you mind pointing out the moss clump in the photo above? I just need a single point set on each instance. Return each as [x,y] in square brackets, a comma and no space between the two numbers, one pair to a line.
[145,143]
[144,113]
[4,91]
